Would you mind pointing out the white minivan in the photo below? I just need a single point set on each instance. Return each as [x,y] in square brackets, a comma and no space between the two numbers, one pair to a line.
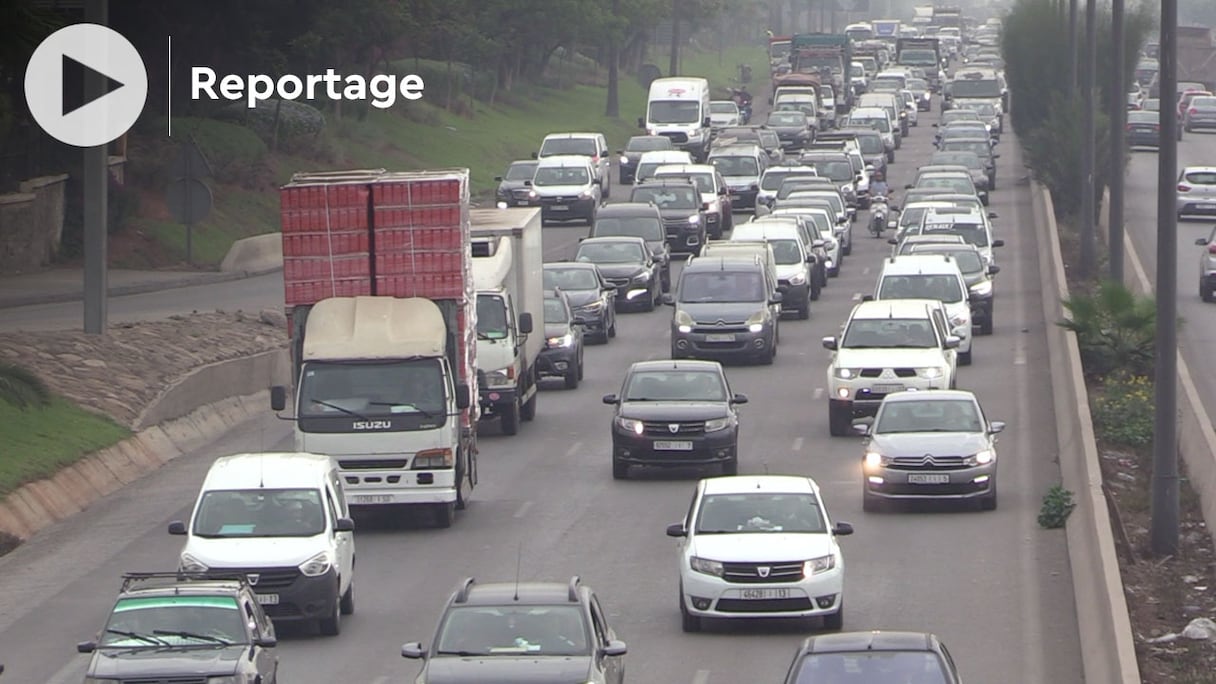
[281,521]
[679,109]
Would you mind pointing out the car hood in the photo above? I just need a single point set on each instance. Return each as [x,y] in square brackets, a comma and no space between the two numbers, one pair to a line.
[760,547]
[888,358]
[744,182]
[508,670]
[555,190]
[711,312]
[621,270]
[723,118]
[788,130]
[156,663]
[788,270]
[579,298]
[254,552]
[672,410]
[931,443]
[512,185]
[556,329]
[670,214]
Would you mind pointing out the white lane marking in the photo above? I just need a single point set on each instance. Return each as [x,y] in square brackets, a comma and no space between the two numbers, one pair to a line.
[701,677]
[574,449]
[523,509]
[798,444]
[865,271]
[817,394]
[1019,350]
[382,679]
[857,296]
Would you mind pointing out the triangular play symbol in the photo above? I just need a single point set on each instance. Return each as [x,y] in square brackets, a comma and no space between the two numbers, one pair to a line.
[74,75]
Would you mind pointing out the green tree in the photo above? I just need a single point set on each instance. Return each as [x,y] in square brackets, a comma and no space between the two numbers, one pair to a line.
[1116,329]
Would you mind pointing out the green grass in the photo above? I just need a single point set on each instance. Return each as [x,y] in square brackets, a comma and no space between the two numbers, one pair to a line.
[722,70]
[37,442]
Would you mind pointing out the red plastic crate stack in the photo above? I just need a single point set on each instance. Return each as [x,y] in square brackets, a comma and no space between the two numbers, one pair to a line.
[326,240]
[421,235]
[466,327]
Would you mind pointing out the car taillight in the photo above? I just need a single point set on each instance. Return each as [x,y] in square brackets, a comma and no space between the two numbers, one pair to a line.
[1183,188]
[1212,248]
[1192,110]
[1129,128]
[1156,127]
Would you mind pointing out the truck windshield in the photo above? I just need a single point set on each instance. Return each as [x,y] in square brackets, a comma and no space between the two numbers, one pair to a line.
[491,317]
[965,87]
[376,389]
[674,111]
[918,58]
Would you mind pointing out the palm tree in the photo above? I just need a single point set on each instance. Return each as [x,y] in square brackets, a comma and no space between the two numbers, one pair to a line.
[22,388]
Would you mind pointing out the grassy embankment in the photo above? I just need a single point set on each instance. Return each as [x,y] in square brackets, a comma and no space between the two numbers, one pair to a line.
[419,135]
[38,441]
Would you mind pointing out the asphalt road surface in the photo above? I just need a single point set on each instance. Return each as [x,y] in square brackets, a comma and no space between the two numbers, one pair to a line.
[993,585]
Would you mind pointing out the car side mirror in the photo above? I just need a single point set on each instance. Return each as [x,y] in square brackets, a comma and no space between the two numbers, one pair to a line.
[830,343]
[705,122]
[842,529]
[861,429]
[893,207]
[413,650]
[177,527]
[669,300]
[676,530]
[818,244]
[278,398]
[527,184]
[705,206]
[776,298]
[525,323]
[996,426]
[83,647]
[1201,241]
[620,153]
[266,642]
[535,155]
[614,648]
[739,399]
[935,125]
[611,399]
[952,341]
[992,215]
[998,243]
[463,398]
[909,186]
[867,298]
[994,269]
[996,156]
[344,525]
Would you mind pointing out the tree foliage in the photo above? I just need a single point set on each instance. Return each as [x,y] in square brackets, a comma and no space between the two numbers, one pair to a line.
[1116,329]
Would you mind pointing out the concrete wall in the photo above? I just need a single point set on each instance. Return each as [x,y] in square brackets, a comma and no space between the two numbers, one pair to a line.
[1108,650]
[216,382]
[31,224]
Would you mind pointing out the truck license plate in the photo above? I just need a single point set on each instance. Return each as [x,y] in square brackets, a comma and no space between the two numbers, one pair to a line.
[928,478]
[672,446]
[720,337]
[762,594]
[268,599]
[371,499]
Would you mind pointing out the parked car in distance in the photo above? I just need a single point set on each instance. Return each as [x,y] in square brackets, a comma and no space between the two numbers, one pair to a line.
[875,657]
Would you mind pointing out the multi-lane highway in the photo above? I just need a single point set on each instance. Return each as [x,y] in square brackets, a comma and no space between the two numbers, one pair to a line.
[993,585]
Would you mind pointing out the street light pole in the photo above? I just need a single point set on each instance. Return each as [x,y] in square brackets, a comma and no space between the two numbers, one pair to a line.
[1118,142]
[1072,44]
[1088,134]
[95,177]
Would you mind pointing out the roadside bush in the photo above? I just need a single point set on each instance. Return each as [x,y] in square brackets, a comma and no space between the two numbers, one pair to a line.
[1123,412]
[1057,506]
[21,388]
[299,123]
[1116,330]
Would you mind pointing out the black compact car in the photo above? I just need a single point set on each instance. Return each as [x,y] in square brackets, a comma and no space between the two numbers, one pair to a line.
[536,632]
[675,414]
[1143,129]
[169,627]
[637,145]
[626,264]
[679,203]
[592,298]
[514,186]
[562,356]
[877,656]
[635,219]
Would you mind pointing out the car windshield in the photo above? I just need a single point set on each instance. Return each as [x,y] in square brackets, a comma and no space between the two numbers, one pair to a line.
[674,111]
[889,333]
[972,233]
[491,317]
[773,180]
[975,87]
[667,197]
[883,125]
[796,184]
[703,181]
[787,119]
[1142,117]
[647,143]
[870,144]
[945,288]
[736,166]
[379,389]
[951,183]
[839,171]
[176,621]
[786,252]
[520,171]
[722,287]
[955,115]
[984,109]
[259,513]
[723,108]
[918,85]
[555,311]
[921,57]
[969,261]
[832,198]
[548,176]
[675,385]
[980,147]
[519,629]
[610,253]
[579,146]
[646,227]
[571,279]
[969,159]
[937,415]
[760,513]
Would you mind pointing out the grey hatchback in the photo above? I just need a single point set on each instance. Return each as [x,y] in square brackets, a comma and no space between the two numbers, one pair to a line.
[876,656]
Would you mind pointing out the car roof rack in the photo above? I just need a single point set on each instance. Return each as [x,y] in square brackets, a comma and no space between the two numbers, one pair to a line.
[574,584]
[168,580]
[462,594]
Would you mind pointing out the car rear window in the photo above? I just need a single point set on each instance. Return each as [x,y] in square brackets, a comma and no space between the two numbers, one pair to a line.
[1201,177]
[555,146]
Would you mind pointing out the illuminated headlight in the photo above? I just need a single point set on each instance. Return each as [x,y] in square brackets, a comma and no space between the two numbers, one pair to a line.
[683,322]
[755,327]
[981,458]
[684,328]
[532,194]
[317,565]
[631,425]
[875,459]
[797,279]
[503,377]
[716,424]
[817,565]
[932,373]
[586,194]
[846,373]
[559,342]
[756,322]
[191,564]
[695,219]
[705,566]
[903,115]
[982,288]
[624,160]
[924,96]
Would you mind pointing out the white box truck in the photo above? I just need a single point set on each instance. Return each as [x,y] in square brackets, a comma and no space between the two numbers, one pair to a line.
[678,108]
[508,275]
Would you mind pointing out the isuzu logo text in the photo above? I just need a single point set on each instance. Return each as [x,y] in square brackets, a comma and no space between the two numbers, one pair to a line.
[371,425]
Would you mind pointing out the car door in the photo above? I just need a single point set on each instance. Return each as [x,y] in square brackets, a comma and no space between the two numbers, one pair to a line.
[262,661]
[728,206]
[344,542]
[943,331]
[611,666]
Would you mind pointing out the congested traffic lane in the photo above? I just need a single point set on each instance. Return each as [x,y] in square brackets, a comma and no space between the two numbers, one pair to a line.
[1197,336]
[992,585]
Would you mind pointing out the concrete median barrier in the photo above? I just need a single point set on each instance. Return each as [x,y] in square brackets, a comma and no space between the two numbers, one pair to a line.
[257,254]
[1108,649]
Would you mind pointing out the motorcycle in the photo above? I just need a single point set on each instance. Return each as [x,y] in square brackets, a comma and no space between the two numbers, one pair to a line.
[878,215]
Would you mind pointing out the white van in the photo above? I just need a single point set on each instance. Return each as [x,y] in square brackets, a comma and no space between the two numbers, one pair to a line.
[281,520]
[679,109]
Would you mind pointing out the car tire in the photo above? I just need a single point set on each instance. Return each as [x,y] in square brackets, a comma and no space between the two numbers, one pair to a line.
[986,325]
[834,622]
[840,420]
[688,622]
[988,501]
[804,312]
[1206,293]
[847,248]
[891,157]
[571,377]
[612,327]
[580,365]
[964,358]
[606,188]
[444,513]
[527,412]
[870,503]
[347,603]
[1188,128]
[508,422]
[620,470]
[991,184]
[816,286]
[731,467]
[332,625]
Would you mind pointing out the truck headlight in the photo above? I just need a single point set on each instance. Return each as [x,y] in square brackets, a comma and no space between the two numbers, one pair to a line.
[817,565]
[981,458]
[706,566]
[846,373]
[631,425]
[431,459]
[317,565]
[931,373]
[503,377]
[981,289]
[559,342]
[192,565]
[716,424]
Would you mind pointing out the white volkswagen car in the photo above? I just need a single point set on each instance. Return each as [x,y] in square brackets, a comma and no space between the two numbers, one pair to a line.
[760,546]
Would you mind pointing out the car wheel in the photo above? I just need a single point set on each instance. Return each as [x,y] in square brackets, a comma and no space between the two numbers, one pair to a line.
[891,157]
[606,190]
[991,184]
[332,625]
[988,502]
[580,365]
[347,604]
[964,358]
[508,422]
[612,326]
[986,325]
[1206,293]
[766,359]
[620,470]
[805,311]
[571,376]
[731,467]
[870,503]
[688,621]
[444,513]
[835,621]
[847,248]
[528,411]
[840,420]
[816,286]
[1188,129]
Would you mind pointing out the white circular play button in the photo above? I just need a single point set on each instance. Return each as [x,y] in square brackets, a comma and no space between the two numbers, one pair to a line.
[67,114]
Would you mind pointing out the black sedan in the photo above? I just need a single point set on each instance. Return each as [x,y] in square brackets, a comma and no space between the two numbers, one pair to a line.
[562,356]
[637,219]
[512,186]
[675,414]
[1144,129]
[876,656]
[627,265]
[591,298]
[637,145]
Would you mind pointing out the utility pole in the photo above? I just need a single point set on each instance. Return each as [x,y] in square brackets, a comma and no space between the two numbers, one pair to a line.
[674,67]
[1072,44]
[1118,142]
[1163,536]
[612,108]
[96,197]
[1088,133]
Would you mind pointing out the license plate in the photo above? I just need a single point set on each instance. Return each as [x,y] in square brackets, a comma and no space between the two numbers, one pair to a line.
[672,446]
[762,594]
[268,599]
[928,478]
[720,337]
[887,389]
[1207,206]
[371,498]
[560,207]
[1144,130]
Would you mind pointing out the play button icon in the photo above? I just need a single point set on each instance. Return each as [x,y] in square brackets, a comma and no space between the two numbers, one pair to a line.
[58,68]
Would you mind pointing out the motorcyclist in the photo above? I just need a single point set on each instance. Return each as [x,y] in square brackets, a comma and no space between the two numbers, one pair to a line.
[878,185]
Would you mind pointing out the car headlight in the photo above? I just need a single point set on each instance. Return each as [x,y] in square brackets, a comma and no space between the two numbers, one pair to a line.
[817,565]
[716,424]
[706,566]
[193,565]
[624,160]
[532,194]
[958,320]
[586,194]
[559,342]
[643,277]
[317,565]
[694,219]
[755,327]
[683,321]
[593,306]
[715,205]
[924,96]
[631,425]
[874,459]
[503,377]
[797,279]
[981,458]
[931,373]
[982,288]
[846,373]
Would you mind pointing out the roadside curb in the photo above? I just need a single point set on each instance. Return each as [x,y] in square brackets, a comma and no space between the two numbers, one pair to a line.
[195,278]
[1108,651]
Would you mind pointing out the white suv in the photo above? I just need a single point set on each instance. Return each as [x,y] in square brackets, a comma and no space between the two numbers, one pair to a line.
[928,276]
[886,347]
[759,546]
